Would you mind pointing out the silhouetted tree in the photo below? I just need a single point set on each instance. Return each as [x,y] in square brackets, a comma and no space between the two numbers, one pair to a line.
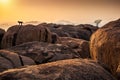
[97,22]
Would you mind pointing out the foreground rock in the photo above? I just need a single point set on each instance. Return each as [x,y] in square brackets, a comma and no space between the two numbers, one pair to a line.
[9,60]
[42,52]
[79,31]
[105,45]
[2,32]
[118,72]
[74,69]
[21,34]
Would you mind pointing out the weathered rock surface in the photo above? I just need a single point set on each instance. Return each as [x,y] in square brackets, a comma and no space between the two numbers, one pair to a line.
[118,72]
[21,34]
[55,38]
[105,45]
[80,46]
[73,69]
[10,60]
[79,31]
[42,52]
[2,32]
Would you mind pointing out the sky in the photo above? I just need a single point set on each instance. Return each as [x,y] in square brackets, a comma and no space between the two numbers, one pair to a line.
[58,11]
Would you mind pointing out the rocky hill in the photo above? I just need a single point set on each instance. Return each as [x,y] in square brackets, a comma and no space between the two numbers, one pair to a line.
[60,52]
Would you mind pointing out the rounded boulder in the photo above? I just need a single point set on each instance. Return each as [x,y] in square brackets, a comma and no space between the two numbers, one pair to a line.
[73,69]
[105,45]
[16,35]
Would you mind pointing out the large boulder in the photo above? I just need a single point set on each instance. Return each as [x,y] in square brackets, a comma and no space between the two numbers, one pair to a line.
[73,69]
[83,31]
[16,35]
[42,52]
[80,46]
[9,60]
[2,32]
[105,45]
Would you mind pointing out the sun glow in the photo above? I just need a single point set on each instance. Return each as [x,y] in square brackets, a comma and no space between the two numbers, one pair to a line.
[4,2]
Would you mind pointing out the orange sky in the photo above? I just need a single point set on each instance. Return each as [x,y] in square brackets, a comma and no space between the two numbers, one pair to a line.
[74,11]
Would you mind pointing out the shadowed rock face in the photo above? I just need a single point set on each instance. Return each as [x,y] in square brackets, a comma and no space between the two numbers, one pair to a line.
[105,45]
[2,32]
[9,60]
[21,34]
[55,38]
[42,52]
[79,31]
[73,69]
[80,46]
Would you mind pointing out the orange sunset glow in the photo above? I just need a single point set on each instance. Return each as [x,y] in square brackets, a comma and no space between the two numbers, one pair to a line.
[59,39]
[72,11]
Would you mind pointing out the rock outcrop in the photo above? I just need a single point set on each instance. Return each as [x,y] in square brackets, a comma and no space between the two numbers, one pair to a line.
[55,38]
[105,45]
[79,31]
[2,32]
[42,52]
[74,69]
[9,60]
[21,34]
[80,46]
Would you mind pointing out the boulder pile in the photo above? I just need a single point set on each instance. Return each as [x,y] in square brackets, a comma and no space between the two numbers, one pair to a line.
[82,31]
[60,52]
[42,52]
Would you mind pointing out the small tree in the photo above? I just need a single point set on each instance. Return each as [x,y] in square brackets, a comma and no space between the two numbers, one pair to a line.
[97,22]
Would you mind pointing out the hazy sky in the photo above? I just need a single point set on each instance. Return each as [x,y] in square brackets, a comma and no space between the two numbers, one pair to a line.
[75,11]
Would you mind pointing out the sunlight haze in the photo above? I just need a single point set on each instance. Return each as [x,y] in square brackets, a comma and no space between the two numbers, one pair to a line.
[75,11]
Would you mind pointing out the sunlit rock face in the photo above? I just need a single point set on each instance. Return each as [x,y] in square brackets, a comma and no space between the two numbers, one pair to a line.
[73,69]
[2,32]
[118,72]
[105,45]
[16,35]
[9,60]
[82,31]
